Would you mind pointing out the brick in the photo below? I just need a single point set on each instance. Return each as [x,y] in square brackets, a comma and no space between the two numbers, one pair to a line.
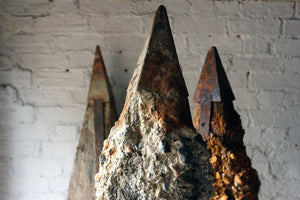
[65,133]
[195,24]
[26,132]
[271,138]
[8,96]
[76,42]
[258,64]
[60,24]
[116,24]
[294,137]
[261,167]
[267,185]
[106,7]
[292,99]
[180,41]
[226,45]
[26,8]
[244,114]
[79,95]
[274,82]
[189,62]
[5,63]
[292,65]
[17,78]
[47,97]
[82,59]
[258,45]
[260,156]
[17,114]
[23,24]
[7,28]
[252,135]
[59,184]
[270,118]
[123,42]
[227,8]
[257,26]
[59,150]
[43,61]
[66,6]
[238,79]
[288,47]
[20,180]
[245,99]
[297,8]
[28,44]
[17,148]
[58,79]
[176,7]
[132,7]
[270,100]
[292,28]
[203,8]
[270,9]
[48,196]
[59,115]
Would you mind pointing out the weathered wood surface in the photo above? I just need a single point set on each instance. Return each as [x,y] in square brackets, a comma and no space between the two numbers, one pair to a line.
[234,178]
[99,118]
[153,151]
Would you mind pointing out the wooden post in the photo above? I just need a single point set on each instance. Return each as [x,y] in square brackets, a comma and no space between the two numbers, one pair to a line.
[99,118]
[220,125]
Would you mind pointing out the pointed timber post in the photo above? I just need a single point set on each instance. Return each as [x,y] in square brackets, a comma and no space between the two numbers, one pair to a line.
[220,125]
[153,151]
[99,118]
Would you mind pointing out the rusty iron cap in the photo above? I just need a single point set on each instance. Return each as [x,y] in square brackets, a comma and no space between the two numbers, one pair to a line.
[158,73]
[160,66]
[213,84]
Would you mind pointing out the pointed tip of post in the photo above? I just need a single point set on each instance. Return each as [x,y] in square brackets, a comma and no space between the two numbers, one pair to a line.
[161,11]
[99,84]
[161,18]
[98,52]
[158,72]
[213,80]
[159,57]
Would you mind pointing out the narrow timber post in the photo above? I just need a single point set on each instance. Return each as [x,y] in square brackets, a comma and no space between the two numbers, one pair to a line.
[99,118]
[220,125]
[153,151]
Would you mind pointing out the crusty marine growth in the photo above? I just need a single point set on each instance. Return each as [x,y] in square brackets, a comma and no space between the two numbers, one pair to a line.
[153,151]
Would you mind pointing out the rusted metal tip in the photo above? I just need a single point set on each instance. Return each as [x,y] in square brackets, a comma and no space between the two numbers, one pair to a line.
[158,72]
[99,85]
[160,69]
[97,52]
[213,84]
[161,10]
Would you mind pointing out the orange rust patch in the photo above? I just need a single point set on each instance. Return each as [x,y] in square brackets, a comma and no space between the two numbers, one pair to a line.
[113,152]
[106,144]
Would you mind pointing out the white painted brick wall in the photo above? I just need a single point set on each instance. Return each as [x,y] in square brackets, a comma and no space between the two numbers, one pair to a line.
[46,55]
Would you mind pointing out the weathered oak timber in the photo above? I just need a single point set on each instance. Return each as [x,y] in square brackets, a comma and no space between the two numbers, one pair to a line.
[220,125]
[99,118]
[153,151]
